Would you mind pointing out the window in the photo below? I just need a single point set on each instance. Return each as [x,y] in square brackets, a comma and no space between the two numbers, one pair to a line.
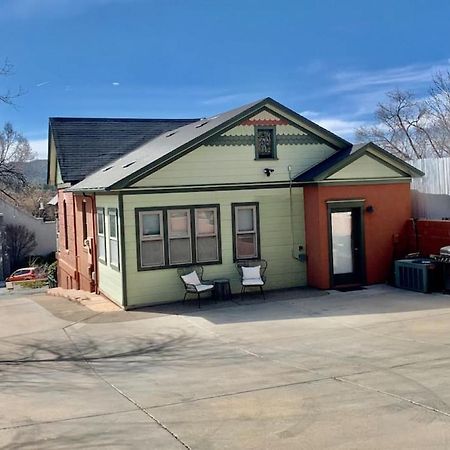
[265,143]
[101,242]
[170,237]
[179,227]
[66,231]
[206,235]
[113,239]
[246,230]
[152,239]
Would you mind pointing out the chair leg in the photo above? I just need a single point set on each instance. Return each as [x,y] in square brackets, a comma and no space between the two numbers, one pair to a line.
[198,297]
[242,291]
[184,298]
[262,292]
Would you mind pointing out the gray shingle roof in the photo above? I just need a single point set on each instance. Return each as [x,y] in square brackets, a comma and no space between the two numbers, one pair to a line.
[85,145]
[153,155]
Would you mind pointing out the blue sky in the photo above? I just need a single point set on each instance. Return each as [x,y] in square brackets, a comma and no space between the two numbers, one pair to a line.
[329,60]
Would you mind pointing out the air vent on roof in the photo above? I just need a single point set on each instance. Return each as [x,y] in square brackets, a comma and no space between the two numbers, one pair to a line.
[170,134]
[201,124]
[107,168]
[128,164]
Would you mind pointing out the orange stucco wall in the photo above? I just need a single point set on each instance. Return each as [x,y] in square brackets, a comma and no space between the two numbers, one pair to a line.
[382,228]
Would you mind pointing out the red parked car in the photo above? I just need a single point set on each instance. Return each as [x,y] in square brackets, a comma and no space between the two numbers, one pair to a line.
[25,274]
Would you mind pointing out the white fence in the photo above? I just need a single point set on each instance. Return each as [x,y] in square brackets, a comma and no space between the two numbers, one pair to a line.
[431,193]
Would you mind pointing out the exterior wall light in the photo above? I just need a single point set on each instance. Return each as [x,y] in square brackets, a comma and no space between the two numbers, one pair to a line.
[268,171]
[370,209]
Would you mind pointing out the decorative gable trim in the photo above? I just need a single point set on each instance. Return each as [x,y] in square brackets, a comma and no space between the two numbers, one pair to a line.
[281,139]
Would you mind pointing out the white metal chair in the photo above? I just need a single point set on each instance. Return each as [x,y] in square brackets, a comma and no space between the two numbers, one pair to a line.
[192,278]
[252,274]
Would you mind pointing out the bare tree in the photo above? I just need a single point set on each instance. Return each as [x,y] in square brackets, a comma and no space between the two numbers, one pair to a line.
[14,150]
[413,128]
[8,96]
[19,243]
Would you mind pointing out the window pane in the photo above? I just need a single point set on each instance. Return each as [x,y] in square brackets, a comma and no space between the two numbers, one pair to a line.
[245,219]
[152,253]
[151,225]
[206,219]
[100,223]
[246,246]
[113,225]
[207,249]
[101,247]
[179,223]
[114,253]
[180,251]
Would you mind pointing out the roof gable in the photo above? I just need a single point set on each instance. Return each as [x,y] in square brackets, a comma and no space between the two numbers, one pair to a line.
[168,147]
[363,161]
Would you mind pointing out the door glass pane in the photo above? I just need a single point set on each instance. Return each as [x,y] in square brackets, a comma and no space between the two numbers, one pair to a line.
[180,251]
[152,253]
[245,246]
[341,226]
[205,221]
[245,219]
[179,223]
[207,249]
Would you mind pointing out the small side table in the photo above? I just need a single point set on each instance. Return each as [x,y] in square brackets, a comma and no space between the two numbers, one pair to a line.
[222,289]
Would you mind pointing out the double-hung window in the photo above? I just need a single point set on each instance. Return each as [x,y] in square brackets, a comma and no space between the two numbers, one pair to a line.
[152,253]
[206,235]
[180,245]
[113,239]
[246,230]
[176,236]
[101,242]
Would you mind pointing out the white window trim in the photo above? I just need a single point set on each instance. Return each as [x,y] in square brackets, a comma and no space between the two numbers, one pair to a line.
[172,238]
[238,208]
[215,234]
[112,214]
[154,237]
[101,219]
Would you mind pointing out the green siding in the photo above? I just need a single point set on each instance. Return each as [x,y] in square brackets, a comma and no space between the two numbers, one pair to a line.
[217,164]
[365,167]
[159,286]
[109,279]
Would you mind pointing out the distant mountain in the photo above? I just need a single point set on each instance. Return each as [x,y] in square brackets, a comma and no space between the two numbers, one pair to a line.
[36,171]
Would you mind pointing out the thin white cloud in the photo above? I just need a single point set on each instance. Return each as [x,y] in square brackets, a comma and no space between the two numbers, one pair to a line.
[407,77]
[115,83]
[40,147]
[42,84]
[340,126]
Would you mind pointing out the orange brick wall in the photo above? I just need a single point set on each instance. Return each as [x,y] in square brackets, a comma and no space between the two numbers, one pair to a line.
[431,235]
[76,262]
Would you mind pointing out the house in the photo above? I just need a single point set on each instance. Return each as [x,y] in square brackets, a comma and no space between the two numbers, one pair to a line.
[260,181]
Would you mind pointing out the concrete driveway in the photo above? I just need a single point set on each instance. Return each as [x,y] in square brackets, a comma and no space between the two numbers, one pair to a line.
[359,370]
